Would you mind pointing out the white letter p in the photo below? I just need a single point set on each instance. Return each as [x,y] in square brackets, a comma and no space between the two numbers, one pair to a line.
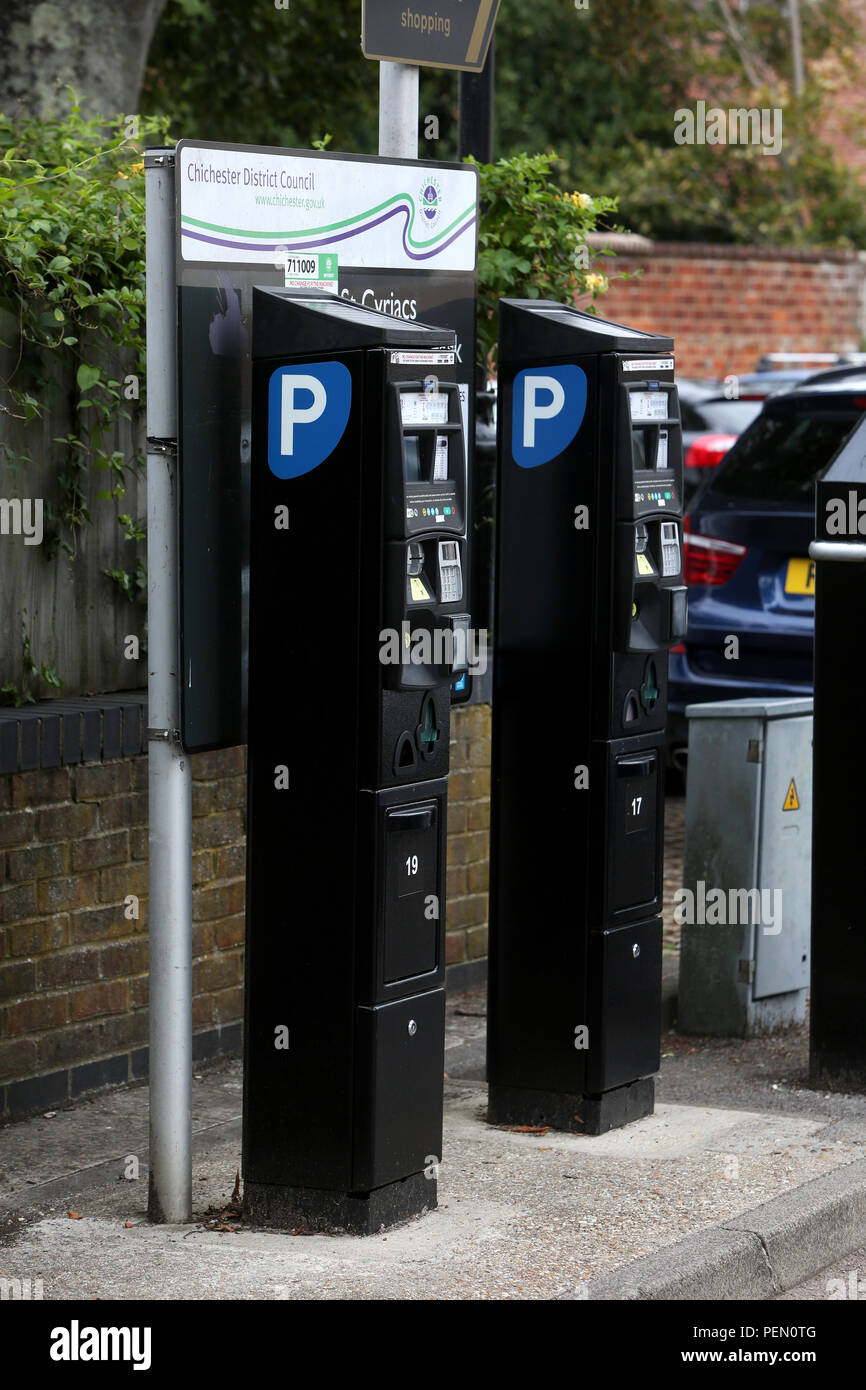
[304,415]
[532,411]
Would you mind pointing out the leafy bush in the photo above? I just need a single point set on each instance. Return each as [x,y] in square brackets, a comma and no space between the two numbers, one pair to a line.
[72,272]
[532,240]
[72,275]
[72,202]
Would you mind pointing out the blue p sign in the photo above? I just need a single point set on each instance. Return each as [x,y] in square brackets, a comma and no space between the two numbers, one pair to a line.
[308,410]
[549,406]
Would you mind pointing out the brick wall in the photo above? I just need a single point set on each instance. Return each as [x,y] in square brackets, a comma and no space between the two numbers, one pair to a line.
[727,305]
[73,954]
[468,843]
[73,923]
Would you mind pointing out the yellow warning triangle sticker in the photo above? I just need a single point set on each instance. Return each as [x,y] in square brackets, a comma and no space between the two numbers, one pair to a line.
[792,800]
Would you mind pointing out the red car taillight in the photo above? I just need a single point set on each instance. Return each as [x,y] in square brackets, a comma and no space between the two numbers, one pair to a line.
[708,450]
[708,560]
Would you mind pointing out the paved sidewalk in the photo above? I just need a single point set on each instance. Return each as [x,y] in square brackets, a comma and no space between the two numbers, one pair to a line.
[519,1216]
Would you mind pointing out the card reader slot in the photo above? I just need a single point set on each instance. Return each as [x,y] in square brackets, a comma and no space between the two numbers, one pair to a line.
[636,766]
[419,818]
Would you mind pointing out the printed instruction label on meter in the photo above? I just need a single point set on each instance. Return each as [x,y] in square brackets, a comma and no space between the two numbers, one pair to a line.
[311,271]
[648,405]
[423,407]
[649,364]
[422,359]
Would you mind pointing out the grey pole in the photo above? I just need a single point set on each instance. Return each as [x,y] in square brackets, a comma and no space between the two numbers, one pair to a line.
[169,780]
[398,110]
[796,47]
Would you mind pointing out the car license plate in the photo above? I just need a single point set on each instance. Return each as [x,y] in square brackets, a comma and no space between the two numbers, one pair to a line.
[800,578]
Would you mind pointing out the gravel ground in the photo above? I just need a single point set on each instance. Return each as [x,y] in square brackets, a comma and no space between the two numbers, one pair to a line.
[519,1216]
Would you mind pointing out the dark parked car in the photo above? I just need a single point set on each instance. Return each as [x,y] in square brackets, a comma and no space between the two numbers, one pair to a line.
[746,552]
[711,423]
[714,413]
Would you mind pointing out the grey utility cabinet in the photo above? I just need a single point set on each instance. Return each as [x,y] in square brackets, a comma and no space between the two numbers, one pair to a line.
[746,915]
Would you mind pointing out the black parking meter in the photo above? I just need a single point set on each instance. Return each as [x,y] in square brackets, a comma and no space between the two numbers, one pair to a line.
[357,633]
[589,599]
[837,1037]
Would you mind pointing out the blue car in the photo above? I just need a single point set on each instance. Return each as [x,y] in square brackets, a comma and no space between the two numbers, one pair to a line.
[746,542]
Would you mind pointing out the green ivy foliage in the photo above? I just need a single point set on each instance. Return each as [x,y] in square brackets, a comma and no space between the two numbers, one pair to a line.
[72,275]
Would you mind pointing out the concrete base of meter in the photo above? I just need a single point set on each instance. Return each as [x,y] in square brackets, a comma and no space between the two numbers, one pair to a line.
[357,1213]
[512,1105]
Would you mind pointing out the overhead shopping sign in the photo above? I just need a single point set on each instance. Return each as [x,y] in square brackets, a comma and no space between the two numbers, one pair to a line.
[444,34]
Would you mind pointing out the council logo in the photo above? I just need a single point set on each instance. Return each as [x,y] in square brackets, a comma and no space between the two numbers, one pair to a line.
[430,202]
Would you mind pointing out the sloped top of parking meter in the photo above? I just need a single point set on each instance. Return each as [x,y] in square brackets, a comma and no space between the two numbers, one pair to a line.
[542,328]
[749,708]
[289,322]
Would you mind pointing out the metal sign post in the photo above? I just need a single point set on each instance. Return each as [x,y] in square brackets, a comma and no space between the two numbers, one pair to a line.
[169,777]
[398,110]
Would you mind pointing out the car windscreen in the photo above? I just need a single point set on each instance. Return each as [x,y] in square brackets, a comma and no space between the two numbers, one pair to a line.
[787,448]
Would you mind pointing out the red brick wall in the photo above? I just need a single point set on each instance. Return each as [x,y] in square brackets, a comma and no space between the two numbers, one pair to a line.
[727,305]
[468,835]
[74,966]
[73,962]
